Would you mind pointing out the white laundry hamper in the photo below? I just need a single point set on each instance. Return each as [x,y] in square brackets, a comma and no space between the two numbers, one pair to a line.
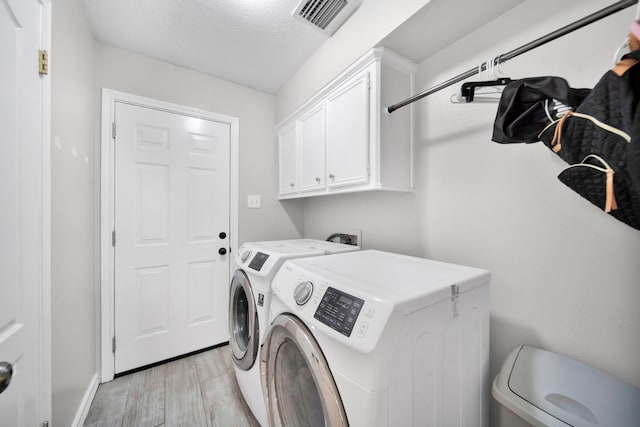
[541,388]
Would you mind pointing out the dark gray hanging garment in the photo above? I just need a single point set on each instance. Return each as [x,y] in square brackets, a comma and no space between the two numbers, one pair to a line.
[528,105]
[596,131]
[633,154]
[596,139]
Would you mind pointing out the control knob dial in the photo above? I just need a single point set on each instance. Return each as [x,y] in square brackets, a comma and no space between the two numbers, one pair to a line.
[303,292]
[245,256]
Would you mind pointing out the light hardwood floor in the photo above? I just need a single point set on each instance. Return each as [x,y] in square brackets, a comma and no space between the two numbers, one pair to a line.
[196,391]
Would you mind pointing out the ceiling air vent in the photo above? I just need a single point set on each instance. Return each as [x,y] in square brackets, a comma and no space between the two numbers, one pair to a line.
[325,15]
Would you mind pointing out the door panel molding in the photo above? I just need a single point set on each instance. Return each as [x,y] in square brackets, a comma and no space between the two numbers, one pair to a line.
[107,219]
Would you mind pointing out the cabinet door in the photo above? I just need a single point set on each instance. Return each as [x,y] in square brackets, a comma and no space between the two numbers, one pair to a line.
[348,133]
[287,157]
[312,144]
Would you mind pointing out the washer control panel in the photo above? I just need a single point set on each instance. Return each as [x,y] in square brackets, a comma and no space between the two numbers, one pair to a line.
[339,310]
[344,309]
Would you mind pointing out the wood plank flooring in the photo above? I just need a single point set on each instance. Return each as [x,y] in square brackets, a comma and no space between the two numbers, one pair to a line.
[196,391]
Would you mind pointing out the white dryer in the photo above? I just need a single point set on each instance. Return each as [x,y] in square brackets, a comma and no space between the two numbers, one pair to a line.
[371,338]
[249,302]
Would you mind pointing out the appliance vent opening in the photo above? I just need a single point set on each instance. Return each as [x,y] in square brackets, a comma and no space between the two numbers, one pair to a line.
[325,15]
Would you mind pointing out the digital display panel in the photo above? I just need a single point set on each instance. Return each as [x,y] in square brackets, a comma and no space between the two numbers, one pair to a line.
[339,310]
[258,261]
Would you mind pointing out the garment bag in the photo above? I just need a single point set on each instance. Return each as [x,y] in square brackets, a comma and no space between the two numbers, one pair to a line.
[595,131]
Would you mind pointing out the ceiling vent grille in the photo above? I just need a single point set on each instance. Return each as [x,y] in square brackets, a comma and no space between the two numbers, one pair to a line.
[325,15]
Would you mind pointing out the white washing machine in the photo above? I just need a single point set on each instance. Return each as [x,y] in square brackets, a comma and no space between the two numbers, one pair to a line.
[371,338]
[249,302]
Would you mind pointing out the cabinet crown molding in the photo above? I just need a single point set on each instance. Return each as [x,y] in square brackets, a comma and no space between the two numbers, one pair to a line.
[377,54]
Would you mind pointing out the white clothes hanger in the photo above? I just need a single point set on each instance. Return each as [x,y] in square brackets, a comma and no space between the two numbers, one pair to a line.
[484,94]
[622,50]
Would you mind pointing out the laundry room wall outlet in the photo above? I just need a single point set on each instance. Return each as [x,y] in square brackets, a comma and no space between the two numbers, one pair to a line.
[357,234]
[253,201]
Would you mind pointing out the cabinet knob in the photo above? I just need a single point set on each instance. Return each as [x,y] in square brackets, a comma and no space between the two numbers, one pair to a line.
[332,176]
[222,251]
[317,179]
[222,235]
[292,185]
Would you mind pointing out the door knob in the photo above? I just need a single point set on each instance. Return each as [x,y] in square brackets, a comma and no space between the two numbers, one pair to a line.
[222,235]
[222,251]
[6,372]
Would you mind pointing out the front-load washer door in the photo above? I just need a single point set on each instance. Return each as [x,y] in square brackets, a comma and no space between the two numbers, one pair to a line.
[298,385]
[244,331]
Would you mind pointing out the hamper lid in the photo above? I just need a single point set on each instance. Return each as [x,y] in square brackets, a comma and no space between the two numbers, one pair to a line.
[573,392]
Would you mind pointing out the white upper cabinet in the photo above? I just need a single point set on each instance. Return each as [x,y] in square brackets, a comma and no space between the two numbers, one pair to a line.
[343,140]
[288,162]
[348,133]
[312,136]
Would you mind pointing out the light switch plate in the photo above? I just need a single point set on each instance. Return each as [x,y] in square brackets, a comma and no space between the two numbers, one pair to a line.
[253,201]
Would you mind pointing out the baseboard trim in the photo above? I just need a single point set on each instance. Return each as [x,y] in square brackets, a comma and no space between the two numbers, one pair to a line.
[83,409]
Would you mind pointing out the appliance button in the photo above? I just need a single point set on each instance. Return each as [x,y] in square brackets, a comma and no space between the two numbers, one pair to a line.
[362,330]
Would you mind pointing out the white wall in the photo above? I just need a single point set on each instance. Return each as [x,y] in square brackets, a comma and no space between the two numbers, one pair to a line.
[141,75]
[565,276]
[73,209]
[80,67]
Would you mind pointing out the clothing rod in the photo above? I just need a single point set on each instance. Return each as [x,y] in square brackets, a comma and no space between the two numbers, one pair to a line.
[596,16]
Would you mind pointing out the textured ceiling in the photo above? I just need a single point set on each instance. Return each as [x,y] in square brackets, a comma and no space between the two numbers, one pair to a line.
[255,43]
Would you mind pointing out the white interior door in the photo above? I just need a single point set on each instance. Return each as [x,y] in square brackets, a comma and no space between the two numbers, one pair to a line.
[23,198]
[171,234]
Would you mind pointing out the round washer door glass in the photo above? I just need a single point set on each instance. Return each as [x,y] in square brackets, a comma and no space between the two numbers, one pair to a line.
[302,406]
[243,322]
[297,381]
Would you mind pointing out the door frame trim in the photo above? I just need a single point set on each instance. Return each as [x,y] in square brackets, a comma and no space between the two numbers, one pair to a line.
[107,284]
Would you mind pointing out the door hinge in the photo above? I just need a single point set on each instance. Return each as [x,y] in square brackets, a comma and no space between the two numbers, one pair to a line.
[43,62]
[113,130]
[44,424]
[113,238]
[113,345]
